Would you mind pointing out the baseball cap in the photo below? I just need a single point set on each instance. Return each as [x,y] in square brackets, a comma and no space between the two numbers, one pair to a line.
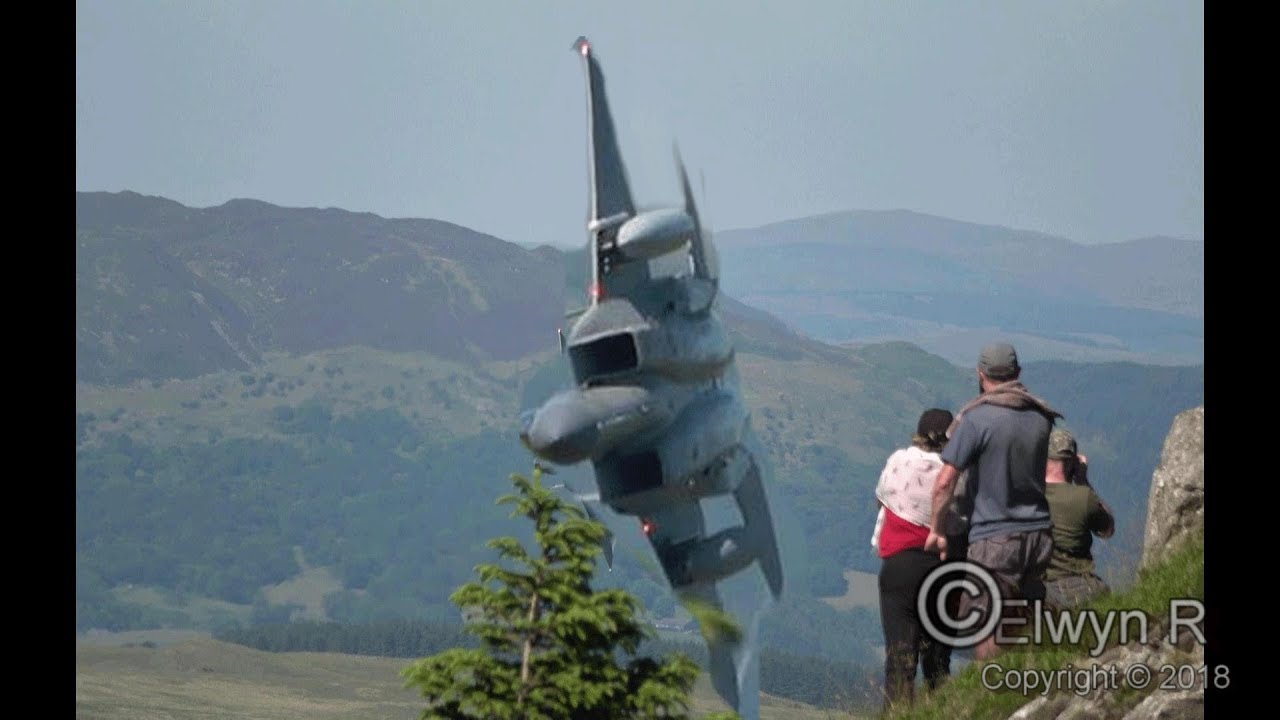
[1061,445]
[999,361]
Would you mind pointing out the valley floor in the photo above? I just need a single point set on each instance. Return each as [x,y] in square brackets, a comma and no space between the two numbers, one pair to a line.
[184,677]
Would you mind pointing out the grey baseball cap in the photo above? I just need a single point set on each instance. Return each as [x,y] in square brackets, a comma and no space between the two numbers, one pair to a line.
[999,361]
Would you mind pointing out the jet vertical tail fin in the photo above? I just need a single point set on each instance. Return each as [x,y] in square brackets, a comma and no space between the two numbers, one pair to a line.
[705,261]
[698,249]
[610,202]
[610,192]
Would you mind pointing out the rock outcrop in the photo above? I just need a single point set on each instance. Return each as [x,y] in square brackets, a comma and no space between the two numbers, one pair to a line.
[1166,699]
[1176,504]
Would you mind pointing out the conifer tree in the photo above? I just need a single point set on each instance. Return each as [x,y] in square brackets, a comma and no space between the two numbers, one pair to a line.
[552,648]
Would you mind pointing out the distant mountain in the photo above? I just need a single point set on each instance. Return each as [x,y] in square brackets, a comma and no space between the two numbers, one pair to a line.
[868,276]
[169,291]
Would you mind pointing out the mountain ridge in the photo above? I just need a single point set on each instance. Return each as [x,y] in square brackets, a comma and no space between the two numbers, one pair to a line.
[872,275]
[907,214]
[298,280]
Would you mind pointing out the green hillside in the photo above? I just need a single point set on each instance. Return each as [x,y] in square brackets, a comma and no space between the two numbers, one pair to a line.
[410,446]
[274,420]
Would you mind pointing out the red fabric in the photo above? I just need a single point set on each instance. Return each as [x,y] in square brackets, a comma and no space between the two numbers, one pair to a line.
[898,535]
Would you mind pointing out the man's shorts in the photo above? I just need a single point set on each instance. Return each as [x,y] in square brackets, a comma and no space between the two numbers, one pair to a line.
[1071,591]
[1017,561]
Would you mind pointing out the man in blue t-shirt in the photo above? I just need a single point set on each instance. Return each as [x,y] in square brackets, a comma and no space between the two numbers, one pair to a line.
[1002,439]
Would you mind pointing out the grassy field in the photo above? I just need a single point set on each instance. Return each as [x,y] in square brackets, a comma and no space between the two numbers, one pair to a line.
[863,590]
[195,611]
[185,677]
[307,589]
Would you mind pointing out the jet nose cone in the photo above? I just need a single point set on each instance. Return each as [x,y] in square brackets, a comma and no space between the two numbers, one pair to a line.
[562,433]
[526,420]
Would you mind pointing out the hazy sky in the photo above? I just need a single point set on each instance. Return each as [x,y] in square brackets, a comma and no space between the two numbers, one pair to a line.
[1083,118]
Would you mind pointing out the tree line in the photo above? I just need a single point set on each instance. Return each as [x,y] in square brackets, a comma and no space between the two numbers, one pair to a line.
[817,681]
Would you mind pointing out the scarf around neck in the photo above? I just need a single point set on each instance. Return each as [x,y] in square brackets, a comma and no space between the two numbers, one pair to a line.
[1012,394]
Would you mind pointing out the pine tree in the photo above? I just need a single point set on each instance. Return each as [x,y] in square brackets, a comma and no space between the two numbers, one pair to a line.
[550,644]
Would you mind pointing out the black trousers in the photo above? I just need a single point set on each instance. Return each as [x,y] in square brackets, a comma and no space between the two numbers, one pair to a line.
[905,641]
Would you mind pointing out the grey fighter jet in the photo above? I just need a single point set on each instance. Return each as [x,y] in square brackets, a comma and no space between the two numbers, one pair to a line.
[657,409]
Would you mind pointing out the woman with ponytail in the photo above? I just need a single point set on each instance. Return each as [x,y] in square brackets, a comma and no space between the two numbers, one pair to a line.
[905,494]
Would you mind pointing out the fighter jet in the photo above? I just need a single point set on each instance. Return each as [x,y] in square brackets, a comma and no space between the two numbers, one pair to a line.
[657,408]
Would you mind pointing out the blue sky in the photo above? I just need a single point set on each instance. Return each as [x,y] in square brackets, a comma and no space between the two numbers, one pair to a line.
[1079,119]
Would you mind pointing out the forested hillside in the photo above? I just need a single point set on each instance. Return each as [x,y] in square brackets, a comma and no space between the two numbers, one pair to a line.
[302,413]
